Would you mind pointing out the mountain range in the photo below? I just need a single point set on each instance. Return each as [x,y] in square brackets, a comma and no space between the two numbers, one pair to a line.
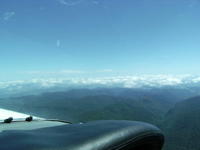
[174,109]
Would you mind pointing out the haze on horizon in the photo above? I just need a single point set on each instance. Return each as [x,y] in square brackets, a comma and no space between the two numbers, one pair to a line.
[98,38]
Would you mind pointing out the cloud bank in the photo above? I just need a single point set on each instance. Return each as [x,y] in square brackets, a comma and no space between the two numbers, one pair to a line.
[118,81]
[36,86]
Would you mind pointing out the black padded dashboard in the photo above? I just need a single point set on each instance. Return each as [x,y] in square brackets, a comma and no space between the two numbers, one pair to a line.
[98,135]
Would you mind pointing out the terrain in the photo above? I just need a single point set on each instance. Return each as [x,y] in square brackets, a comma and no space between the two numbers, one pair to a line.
[175,110]
[181,125]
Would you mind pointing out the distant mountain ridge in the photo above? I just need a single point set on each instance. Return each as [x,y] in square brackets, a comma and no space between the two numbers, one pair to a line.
[156,100]
[182,125]
[78,104]
[87,105]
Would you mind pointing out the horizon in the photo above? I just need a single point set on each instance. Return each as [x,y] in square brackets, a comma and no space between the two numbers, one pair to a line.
[128,81]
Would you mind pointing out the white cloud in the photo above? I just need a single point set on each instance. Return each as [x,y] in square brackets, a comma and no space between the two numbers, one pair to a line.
[193,3]
[8,15]
[53,72]
[72,72]
[95,2]
[58,43]
[70,2]
[104,71]
[77,2]
[116,81]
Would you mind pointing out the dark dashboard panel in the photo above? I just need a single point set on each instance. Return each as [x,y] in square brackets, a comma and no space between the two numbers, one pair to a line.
[98,135]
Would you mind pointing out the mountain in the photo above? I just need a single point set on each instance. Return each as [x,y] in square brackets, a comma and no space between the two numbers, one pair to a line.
[182,125]
[167,107]
[93,104]
[80,109]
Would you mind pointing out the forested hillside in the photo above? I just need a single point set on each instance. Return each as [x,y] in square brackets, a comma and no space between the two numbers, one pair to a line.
[182,126]
[179,119]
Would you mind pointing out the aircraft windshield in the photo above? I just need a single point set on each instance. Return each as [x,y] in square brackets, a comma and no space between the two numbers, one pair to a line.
[85,60]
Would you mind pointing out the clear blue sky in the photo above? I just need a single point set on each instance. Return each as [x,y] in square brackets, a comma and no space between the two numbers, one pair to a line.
[57,38]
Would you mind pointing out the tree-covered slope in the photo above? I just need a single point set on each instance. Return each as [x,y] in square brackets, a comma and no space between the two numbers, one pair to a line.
[181,123]
[182,126]
[88,106]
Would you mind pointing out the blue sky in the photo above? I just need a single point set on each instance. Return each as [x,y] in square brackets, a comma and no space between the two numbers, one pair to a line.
[90,38]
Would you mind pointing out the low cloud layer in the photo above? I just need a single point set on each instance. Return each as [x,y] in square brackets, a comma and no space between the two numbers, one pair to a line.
[36,86]
[119,81]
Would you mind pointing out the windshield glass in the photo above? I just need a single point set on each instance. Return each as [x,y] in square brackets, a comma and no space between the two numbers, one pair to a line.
[85,60]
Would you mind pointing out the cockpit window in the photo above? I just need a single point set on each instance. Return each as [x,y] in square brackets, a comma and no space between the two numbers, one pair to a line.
[87,60]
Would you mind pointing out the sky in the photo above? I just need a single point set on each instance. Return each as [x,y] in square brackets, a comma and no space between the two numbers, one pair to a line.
[94,38]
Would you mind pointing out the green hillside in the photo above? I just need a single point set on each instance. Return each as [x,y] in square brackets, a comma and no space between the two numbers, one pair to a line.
[180,122]
[182,126]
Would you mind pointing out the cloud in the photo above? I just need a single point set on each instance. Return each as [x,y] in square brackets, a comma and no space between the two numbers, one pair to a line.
[104,71]
[65,72]
[53,72]
[8,15]
[115,81]
[77,2]
[58,43]
[95,2]
[142,81]
[77,78]
[70,2]
[193,3]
